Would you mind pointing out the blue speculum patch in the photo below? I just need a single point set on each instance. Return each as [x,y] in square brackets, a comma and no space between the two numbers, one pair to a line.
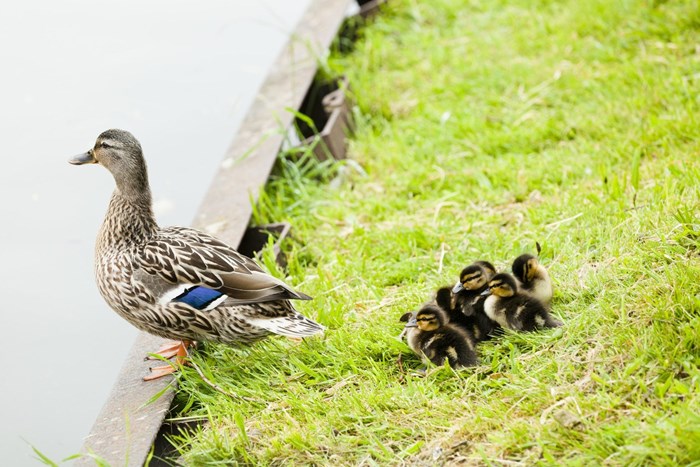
[198,297]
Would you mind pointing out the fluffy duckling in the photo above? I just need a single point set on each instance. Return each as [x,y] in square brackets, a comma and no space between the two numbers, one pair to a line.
[473,280]
[513,309]
[477,323]
[431,336]
[533,277]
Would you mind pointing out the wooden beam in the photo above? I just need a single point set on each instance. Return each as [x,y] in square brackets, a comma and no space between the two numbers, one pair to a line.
[226,208]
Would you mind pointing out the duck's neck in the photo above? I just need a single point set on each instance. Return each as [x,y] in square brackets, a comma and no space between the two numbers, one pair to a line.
[129,221]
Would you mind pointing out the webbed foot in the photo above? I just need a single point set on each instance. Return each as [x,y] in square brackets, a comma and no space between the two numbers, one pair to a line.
[177,349]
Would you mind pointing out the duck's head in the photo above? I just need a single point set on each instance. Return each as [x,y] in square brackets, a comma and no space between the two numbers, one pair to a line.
[488,268]
[430,318]
[503,285]
[120,153]
[474,277]
[525,267]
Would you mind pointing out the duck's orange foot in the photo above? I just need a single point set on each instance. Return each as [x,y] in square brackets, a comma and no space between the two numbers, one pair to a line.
[172,349]
[159,372]
[177,349]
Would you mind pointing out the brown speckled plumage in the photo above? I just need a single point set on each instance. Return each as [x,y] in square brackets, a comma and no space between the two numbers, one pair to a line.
[142,269]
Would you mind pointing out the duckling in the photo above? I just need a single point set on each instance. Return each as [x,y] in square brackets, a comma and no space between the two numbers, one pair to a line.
[477,323]
[513,309]
[430,336]
[473,280]
[533,277]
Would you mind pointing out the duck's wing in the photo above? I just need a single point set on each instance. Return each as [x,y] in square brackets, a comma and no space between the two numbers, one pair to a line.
[188,257]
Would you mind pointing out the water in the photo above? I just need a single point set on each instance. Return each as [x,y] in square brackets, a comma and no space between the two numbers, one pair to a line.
[180,76]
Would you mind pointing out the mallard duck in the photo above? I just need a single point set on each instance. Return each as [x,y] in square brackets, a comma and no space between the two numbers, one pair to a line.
[514,309]
[433,338]
[473,280]
[533,277]
[177,282]
[477,323]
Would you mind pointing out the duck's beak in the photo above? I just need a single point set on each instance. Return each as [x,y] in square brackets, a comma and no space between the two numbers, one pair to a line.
[457,288]
[486,292]
[85,158]
[412,323]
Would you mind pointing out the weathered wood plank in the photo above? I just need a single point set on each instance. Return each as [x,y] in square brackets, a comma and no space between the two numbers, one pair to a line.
[226,208]
[127,425]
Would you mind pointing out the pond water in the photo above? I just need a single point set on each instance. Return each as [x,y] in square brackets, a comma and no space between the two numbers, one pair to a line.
[180,76]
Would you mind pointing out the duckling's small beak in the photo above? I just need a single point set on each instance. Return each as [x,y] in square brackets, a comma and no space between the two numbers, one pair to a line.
[486,292]
[457,288]
[412,323]
[85,158]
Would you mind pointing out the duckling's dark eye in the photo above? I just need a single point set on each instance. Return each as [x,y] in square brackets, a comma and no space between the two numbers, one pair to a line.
[105,145]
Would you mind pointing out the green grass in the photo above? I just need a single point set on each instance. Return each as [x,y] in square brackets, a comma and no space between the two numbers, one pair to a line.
[483,127]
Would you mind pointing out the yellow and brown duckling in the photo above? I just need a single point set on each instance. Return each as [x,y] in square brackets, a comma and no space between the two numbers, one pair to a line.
[513,309]
[477,323]
[533,277]
[430,335]
[473,280]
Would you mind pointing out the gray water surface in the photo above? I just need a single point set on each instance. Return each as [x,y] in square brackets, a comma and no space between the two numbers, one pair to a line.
[180,76]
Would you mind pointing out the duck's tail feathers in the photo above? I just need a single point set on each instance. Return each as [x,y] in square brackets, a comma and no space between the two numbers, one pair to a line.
[302,296]
[289,326]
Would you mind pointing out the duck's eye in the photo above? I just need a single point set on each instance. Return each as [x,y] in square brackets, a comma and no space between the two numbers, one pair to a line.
[105,145]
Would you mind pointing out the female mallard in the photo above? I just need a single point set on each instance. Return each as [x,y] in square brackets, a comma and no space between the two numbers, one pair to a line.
[176,282]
